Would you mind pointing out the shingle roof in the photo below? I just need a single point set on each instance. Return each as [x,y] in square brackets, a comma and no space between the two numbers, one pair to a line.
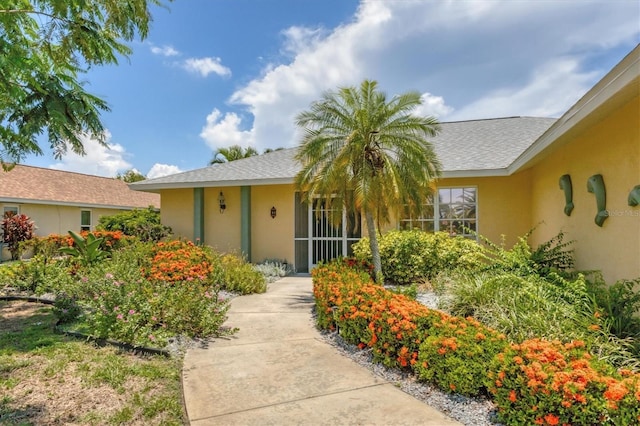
[48,186]
[487,144]
[476,147]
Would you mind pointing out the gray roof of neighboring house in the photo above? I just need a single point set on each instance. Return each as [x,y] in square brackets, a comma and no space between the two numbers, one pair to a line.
[469,148]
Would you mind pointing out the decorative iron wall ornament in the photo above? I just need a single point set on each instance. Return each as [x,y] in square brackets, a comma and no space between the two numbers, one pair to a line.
[634,196]
[565,185]
[595,185]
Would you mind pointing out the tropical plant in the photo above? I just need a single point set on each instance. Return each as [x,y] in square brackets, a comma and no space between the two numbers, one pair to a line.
[16,228]
[46,45]
[367,154]
[86,251]
[232,153]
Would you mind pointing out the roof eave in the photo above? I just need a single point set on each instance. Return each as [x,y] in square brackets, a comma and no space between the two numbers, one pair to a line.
[155,187]
[8,200]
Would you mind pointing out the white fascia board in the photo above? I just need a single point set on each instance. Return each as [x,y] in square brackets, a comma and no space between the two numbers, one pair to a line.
[611,84]
[8,200]
[155,187]
[474,173]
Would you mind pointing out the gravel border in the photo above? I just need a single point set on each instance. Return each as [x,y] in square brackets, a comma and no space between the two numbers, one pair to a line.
[469,411]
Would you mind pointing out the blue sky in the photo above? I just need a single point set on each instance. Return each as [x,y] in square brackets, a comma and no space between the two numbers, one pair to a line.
[213,73]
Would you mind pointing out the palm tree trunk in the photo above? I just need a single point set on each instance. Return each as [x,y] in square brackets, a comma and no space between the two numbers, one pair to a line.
[373,245]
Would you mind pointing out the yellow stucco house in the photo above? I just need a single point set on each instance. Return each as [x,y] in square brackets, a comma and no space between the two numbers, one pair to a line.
[579,173]
[59,201]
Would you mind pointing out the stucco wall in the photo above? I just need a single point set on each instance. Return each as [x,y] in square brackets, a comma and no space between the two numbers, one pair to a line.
[610,147]
[177,211]
[272,238]
[222,230]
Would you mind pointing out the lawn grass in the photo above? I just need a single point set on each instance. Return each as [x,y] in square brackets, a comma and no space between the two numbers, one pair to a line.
[49,378]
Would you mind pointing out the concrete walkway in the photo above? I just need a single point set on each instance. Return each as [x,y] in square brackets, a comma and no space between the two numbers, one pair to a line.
[278,371]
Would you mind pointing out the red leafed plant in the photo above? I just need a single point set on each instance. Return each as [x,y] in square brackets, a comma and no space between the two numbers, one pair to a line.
[15,229]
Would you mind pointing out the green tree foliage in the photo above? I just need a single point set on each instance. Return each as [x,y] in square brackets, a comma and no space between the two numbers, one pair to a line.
[368,154]
[232,153]
[131,176]
[142,223]
[45,46]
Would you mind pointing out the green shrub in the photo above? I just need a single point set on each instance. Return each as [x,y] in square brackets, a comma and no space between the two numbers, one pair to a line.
[619,304]
[126,306]
[551,257]
[141,223]
[241,277]
[457,355]
[411,256]
[37,275]
[66,309]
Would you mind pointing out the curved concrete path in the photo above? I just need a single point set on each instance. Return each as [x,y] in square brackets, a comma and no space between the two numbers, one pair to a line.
[278,371]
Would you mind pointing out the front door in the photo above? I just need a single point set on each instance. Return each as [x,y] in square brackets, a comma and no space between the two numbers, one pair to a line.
[319,240]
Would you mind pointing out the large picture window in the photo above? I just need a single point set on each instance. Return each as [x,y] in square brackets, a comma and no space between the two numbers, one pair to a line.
[451,210]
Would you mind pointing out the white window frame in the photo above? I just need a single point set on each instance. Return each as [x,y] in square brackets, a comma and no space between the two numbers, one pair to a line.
[436,211]
[83,226]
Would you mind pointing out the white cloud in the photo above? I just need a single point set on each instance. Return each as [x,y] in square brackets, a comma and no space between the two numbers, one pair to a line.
[206,66]
[165,50]
[99,160]
[433,106]
[551,90]
[225,130]
[159,170]
[470,59]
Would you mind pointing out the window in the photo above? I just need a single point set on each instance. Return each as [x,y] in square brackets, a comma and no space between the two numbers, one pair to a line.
[454,210]
[9,209]
[85,220]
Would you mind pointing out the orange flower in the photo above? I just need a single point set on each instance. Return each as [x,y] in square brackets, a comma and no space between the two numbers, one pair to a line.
[551,419]
[615,391]
[512,396]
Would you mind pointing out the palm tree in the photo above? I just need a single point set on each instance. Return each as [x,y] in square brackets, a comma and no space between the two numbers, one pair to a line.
[368,155]
[232,153]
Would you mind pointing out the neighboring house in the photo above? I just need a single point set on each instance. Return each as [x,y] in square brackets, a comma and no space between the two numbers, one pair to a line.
[59,201]
[500,177]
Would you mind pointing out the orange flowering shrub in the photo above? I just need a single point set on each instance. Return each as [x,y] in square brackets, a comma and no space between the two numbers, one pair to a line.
[370,316]
[178,261]
[112,240]
[332,283]
[549,383]
[458,353]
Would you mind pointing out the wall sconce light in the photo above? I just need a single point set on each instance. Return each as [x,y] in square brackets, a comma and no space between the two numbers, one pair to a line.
[222,203]
[273,212]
